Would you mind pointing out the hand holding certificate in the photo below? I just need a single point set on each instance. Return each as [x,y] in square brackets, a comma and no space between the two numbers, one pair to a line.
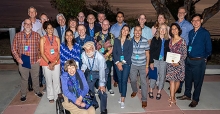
[172,57]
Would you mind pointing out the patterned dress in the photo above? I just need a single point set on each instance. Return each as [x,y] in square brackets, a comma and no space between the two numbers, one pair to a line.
[177,73]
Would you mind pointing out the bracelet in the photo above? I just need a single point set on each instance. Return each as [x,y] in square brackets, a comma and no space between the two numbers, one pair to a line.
[49,62]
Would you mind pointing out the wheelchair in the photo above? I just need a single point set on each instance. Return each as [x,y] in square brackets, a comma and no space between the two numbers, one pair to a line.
[59,107]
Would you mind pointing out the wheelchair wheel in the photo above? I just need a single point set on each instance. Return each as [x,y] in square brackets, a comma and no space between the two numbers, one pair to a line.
[59,108]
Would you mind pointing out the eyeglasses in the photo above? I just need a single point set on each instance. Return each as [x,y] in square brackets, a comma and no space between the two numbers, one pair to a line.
[29,24]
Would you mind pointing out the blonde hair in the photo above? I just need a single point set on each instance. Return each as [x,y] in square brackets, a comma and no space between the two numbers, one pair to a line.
[166,36]
[156,25]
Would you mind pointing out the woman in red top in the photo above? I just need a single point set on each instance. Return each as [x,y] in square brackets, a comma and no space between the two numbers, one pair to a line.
[50,62]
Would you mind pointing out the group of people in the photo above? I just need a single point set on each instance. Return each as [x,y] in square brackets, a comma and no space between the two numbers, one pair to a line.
[78,57]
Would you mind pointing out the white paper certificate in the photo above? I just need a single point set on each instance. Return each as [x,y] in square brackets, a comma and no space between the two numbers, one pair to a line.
[172,57]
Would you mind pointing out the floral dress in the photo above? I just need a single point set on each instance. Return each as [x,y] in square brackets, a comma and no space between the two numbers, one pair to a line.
[177,73]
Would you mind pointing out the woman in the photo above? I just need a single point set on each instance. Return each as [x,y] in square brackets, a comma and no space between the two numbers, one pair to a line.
[122,52]
[158,50]
[69,49]
[73,24]
[161,19]
[50,62]
[176,71]
[75,90]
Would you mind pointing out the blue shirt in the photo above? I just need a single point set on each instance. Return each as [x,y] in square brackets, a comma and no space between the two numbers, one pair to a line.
[186,27]
[202,45]
[99,65]
[146,33]
[66,54]
[81,41]
[66,92]
[92,32]
[116,28]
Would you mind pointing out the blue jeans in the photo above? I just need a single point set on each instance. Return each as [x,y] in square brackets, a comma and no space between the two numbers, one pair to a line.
[123,78]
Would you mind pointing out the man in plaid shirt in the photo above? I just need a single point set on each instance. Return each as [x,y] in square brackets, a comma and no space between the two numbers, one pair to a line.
[26,43]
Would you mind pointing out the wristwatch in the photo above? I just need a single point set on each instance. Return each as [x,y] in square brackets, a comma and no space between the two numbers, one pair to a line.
[49,62]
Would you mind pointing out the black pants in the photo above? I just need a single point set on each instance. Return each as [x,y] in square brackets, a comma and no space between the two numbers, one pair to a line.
[195,71]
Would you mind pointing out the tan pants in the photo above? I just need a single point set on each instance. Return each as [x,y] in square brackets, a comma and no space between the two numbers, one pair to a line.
[74,109]
[34,76]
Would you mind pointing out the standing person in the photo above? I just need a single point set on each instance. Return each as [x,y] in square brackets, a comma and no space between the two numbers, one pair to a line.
[69,50]
[176,71]
[73,24]
[26,43]
[185,27]
[50,62]
[81,18]
[161,19]
[75,88]
[146,31]
[122,51]
[115,30]
[199,49]
[94,63]
[140,63]
[104,44]
[101,17]
[32,13]
[158,50]
[61,20]
[92,28]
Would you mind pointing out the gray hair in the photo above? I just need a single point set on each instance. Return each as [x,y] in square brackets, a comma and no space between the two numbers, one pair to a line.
[33,8]
[60,14]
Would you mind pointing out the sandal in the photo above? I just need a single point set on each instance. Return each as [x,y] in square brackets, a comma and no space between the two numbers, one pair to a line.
[171,103]
[158,96]
[51,101]
[151,95]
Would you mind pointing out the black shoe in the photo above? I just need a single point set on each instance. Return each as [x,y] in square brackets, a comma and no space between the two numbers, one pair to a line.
[41,85]
[183,97]
[179,90]
[158,96]
[30,88]
[140,87]
[168,88]
[39,94]
[23,99]
[104,112]
[193,104]
[151,95]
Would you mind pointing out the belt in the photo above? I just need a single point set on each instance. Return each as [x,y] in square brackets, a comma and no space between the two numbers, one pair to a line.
[198,58]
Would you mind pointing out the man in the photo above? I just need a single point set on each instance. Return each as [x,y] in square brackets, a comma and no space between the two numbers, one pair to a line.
[61,20]
[104,44]
[41,31]
[140,63]
[146,31]
[26,46]
[81,18]
[199,48]
[116,28]
[91,28]
[32,13]
[95,66]
[101,18]
[186,27]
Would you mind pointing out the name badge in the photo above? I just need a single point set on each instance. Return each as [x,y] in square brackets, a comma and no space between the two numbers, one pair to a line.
[26,48]
[52,51]
[160,57]
[122,58]
[136,56]
[102,50]
[190,49]
[91,78]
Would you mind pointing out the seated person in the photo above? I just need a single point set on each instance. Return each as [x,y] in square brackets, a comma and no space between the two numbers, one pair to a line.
[75,90]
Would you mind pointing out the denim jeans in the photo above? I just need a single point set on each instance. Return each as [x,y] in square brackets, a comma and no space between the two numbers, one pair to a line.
[123,78]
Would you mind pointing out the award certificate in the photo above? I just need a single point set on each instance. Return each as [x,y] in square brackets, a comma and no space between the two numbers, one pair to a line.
[172,57]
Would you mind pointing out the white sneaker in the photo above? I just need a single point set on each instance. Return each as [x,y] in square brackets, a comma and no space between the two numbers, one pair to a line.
[122,104]
[111,92]
[119,101]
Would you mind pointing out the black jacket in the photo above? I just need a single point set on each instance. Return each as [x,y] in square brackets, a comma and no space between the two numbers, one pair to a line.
[155,47]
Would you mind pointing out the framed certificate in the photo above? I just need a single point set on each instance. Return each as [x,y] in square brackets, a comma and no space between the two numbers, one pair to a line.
[172,57]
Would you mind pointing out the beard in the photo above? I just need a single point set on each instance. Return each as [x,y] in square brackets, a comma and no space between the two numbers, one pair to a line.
[90,54]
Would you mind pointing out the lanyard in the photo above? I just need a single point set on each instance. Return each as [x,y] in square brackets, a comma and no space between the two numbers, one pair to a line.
[137,45]
[26,38]
[51,42]
[194,38]
[91,67]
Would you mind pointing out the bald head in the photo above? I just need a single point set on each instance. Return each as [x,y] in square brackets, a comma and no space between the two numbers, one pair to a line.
[105,25]
[81,30]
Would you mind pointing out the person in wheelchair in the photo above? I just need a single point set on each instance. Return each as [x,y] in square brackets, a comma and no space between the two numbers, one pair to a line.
[95,68]
[75,90]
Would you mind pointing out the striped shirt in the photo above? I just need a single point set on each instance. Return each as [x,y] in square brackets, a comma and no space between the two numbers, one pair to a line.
[138,57]
[22,40]
[66,54]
